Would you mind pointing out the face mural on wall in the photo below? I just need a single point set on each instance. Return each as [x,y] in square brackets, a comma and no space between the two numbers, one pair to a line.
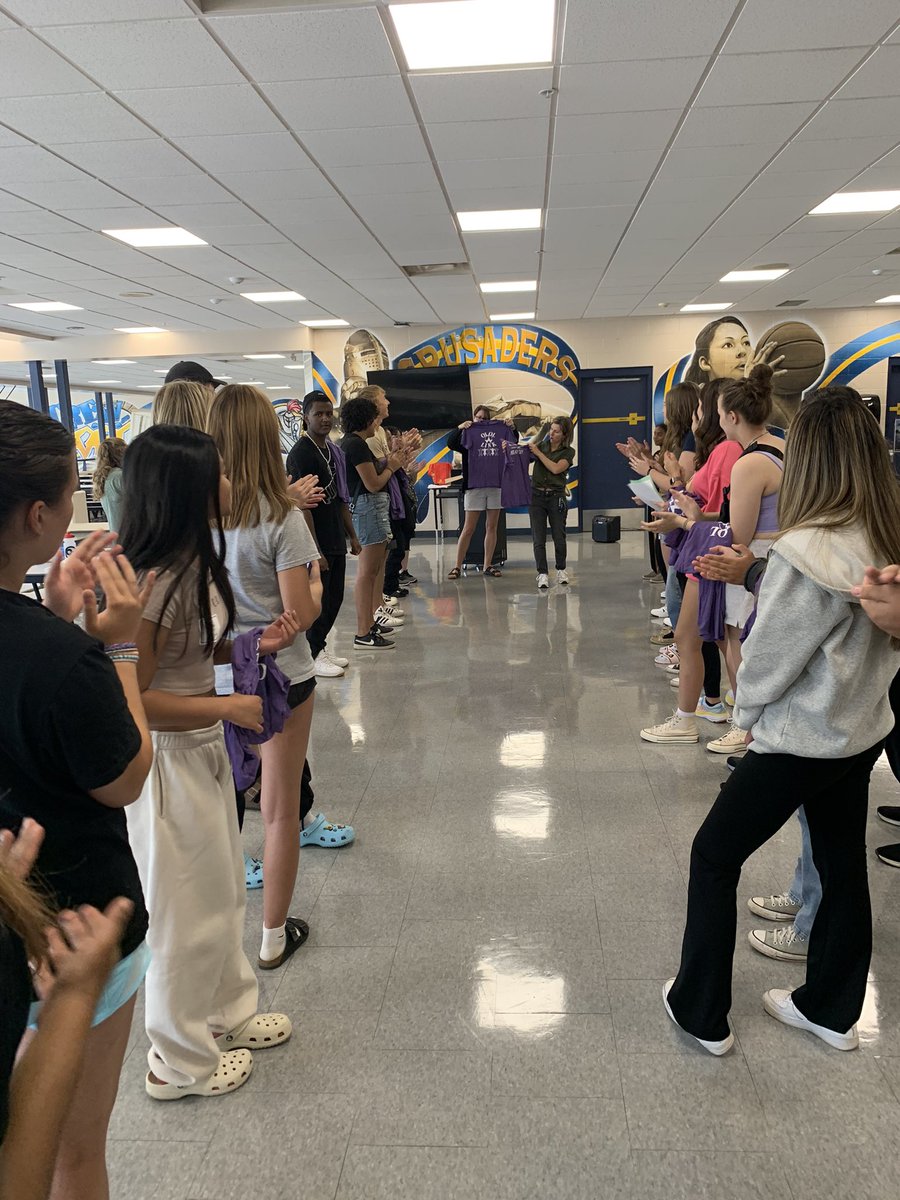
[724,346]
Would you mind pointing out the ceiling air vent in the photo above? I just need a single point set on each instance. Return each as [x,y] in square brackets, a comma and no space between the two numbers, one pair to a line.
[791,303]
[441,269]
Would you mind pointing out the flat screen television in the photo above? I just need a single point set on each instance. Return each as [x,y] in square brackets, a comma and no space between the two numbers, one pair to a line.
[426,397]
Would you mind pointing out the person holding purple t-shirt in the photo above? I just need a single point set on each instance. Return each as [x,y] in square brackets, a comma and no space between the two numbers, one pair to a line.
[480,442]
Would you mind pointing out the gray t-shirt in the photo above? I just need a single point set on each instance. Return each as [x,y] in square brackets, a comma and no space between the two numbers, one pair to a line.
[254,556]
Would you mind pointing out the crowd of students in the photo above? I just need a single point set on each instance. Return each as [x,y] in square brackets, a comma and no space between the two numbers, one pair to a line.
[768,544]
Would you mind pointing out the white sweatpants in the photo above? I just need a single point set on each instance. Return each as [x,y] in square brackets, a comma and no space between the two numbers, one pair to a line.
[184,834]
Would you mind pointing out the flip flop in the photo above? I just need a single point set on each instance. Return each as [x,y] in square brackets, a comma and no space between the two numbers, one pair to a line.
[454,573]
[295,934]
[322,832]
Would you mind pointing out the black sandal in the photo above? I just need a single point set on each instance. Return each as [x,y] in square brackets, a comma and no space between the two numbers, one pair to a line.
[295,934]
[493,571]
[455,573]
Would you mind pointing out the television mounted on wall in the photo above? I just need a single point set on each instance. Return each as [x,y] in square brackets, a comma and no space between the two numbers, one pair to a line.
[426,397]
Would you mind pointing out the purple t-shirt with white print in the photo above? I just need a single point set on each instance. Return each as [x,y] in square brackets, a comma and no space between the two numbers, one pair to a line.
[483,442]
[515,483]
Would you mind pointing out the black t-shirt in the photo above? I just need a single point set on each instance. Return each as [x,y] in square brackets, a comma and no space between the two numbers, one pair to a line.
[15,1001]
[65,730]
[356,452]
[307,459]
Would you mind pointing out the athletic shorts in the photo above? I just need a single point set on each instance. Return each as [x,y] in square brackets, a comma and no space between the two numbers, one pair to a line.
[371,517]
[299,692]
[482,499]
[124,980]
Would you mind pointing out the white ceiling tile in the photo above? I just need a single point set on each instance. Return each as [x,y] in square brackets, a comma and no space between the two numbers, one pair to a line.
[628,86]
[583,195]
[495,173]
[282,210]
[32,164]
[237,236]
[850,118]
[850,153]
[81,192]
[482,95]
[61,120]
[308,45]
[112,218]
[358,147]
[504,252]
[695,162]
[368,181]
[246,152]
[813,24]
[877,77]
[412,204]
[274,186]
[742,125]
[620,30]
[710,191]
[37,13]
[192,216]
[151,54]
[195,111]
[32,69]
[483,139]
[124,160]
[8,138]
[813,185]
[625,131]
[793,75]
[357,102]
[37,221]
[180,189]
[620,166]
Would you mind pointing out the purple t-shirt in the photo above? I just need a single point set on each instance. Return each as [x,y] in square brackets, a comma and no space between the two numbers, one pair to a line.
[483,441]
[396,510]
[340,471]
[515,484]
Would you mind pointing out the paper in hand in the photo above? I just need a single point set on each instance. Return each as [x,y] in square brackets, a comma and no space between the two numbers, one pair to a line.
[645,490]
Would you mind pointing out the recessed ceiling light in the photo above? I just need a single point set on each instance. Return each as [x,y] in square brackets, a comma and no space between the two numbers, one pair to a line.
[474,33]
[272,297]
[263,356]
[157,371]
[294,367]
[706,307]
[753,276]
[520,285]
[165,235]
[151,386]
[330,324]
[113,362]
[888,300]
[499,219]
[103,382]
[249,383]
[524,316]
[275,387]
[139,329]
[48,306]
[857,202]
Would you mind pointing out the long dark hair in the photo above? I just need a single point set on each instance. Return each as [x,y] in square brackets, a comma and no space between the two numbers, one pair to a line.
[171,486]
[681,404]
[35,460]
[750,398]
[693,372]
[709,432]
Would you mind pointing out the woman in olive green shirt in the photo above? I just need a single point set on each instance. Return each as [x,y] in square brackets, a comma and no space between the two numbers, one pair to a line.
[553,456]
[107,484]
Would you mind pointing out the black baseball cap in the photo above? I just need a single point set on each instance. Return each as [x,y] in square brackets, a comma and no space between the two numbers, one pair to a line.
[193,372]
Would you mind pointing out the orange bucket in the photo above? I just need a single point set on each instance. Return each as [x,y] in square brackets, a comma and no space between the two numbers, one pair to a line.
[440,472]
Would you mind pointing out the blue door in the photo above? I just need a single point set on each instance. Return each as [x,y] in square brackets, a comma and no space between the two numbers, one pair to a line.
[613,405]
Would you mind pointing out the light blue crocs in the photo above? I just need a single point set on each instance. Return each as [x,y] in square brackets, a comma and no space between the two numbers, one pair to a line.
[322,832]
[253,873]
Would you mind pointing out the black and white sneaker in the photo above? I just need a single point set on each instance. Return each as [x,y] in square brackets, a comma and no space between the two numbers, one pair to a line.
[890,855]
[406,578]
[373,640]
[889,813]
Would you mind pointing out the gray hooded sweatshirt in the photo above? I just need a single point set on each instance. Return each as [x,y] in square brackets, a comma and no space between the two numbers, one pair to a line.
[815,674]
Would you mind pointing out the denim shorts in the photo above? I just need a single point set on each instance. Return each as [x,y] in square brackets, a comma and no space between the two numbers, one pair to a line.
[124,980]
[371,518]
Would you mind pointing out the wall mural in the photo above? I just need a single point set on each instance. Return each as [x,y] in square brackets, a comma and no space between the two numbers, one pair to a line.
[87,432]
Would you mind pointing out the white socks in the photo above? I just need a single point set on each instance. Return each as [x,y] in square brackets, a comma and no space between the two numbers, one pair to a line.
[272,943]
[684,715]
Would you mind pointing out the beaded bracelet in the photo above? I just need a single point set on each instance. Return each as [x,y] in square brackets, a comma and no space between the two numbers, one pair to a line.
[114,646]
[122,657]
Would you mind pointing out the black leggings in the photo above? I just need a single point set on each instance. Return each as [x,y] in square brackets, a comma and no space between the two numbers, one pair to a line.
[332,599]
[657,562]
[394,565]
[762,793]
[892,741]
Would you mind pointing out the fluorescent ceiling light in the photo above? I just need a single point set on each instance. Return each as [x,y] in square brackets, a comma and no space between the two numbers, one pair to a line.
[330,324]
[474,33]
[113,362]
[754,276]
[157,371]
[101,382]
[48,306]
[294,367]
[272,297]
[166,235]
[150,386]
[525,316]
[499,219]
[263,356]
[139,329]
[706,307]
[521,285]
[857,202]
[249,383]
[275,387]
[888,300]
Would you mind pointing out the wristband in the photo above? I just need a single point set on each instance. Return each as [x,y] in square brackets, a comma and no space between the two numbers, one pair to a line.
[121,656]
[113,647]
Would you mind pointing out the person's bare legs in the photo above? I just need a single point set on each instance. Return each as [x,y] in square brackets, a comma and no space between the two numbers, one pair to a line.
[366,581]
[80,1172]
[279,801]
[690,654]
[732,651]
[491,521]
[465,536]
[378,581]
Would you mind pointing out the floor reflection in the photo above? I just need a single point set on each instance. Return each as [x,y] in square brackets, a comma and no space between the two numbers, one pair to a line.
[521,815]
[512,993]
[527,748]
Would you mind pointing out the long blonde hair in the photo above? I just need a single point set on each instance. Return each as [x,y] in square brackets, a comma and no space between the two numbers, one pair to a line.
[243,424]
[109,456]
[837,472]
[181,403]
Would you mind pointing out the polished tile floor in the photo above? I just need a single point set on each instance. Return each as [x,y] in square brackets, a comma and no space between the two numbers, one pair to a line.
[477,1011]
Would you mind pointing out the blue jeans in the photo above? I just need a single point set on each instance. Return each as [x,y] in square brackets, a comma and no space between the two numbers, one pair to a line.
[806,887]
[673,596]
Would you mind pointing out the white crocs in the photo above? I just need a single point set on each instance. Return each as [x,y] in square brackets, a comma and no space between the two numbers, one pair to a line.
[232,1072]
[258,1033]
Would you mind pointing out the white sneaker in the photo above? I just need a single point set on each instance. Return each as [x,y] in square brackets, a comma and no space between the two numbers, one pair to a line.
[716,1048]
[779,941]
[336,658]
[675,681]
[667,623]
[659,613]
[325,668]
[775,908]
[389,619]
[729,698]
[543,582]
[677,731]
[779,1004]
[562,578]
[732,742]
[392,603]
